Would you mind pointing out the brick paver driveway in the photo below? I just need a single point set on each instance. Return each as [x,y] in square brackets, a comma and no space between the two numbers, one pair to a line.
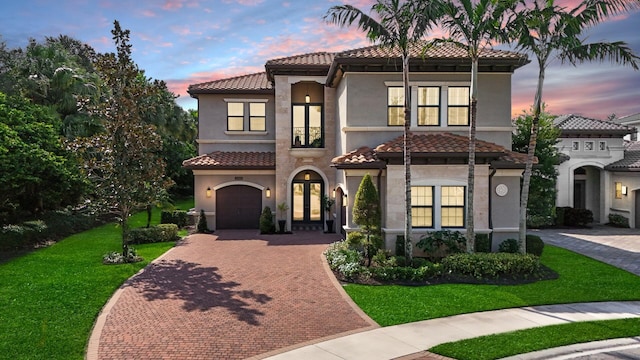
[232,295]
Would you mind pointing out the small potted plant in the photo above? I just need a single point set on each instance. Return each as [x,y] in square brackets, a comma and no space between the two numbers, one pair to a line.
[282,220]
[327,204]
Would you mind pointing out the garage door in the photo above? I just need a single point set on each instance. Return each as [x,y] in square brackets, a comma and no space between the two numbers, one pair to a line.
[238,207]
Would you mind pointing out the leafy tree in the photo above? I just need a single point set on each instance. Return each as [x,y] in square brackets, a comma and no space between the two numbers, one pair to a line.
[474,26]
[367,214]
[549,32]
[400,27]
[124,163]
[36,172]
[543,182]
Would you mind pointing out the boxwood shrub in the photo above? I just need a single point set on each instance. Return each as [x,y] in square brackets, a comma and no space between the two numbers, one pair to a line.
[178,217]
[490,265]
[153,234]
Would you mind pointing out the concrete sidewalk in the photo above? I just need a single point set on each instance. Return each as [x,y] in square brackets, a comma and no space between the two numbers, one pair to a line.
[402,340]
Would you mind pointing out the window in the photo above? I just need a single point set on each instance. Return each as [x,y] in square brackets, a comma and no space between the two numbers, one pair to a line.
[395,105]
[452,206]
[603,145]
[588,145]
[235,116]
[307,126]
[422,206]
[429,106]
[575,146]
[458,106]
[618,190]
[257,117]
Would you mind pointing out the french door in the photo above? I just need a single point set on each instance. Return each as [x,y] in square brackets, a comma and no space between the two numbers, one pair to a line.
[307,205]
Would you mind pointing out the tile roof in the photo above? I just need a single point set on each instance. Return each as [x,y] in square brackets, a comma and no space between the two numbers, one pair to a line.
[257,82]
[232,160]
[576,124]
[631,160]
[317,58]
[436,144]
[442,51]
[439,143]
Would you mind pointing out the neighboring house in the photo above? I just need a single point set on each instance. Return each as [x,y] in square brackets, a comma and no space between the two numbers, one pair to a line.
[600,171]
[315,124]
[632,120]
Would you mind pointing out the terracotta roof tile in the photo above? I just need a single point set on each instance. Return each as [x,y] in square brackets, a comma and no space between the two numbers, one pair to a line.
[442,51]
[361,156]
[232,160]
[252,82]
[443,143]
[571,124]
[631,160]
[318,58]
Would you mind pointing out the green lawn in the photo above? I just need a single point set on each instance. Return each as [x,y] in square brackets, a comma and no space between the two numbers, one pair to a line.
[524,341]
[581,279]
[50,298]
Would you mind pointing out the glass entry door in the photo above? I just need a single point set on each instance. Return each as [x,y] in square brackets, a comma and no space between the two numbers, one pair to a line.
[307,206]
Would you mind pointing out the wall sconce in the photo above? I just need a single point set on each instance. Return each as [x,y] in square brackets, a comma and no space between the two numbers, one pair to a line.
[307,176]
[624,190]
[208,192]
[307,98]
[333,193]
[267,193]
[345,200]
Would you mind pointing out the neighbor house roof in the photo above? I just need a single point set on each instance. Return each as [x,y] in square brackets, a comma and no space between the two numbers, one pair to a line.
[631,160]
[579,126]
[316,64]
[252,83]
[435,145]
[232,160]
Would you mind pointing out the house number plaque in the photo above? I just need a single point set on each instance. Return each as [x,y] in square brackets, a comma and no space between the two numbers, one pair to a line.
[502,190]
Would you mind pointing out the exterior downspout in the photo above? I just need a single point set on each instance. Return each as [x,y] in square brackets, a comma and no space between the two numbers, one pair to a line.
[493,172]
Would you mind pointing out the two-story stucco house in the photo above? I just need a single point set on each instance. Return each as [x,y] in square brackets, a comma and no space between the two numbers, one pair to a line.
[315,124]
[600,170]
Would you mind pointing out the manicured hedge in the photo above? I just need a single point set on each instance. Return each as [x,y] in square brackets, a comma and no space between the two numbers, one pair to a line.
[490,265]
[154,234]
[568,216]
[178,217]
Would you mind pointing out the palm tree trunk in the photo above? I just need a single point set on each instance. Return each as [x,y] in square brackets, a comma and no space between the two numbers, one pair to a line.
[526,178]
[407,158]
[472,157]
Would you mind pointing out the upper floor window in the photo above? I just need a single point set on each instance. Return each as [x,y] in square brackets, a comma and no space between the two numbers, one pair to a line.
[235,116]
[307,126]
[458,105]
[395,106]
[429,106]
[240,110]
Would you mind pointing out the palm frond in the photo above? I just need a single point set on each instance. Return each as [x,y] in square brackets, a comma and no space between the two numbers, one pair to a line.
[616,52]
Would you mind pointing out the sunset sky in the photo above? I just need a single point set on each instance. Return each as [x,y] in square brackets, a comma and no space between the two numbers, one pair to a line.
[190,41]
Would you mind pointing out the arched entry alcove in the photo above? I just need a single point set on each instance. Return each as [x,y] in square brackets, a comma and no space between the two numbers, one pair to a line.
[586,189]
[307,188]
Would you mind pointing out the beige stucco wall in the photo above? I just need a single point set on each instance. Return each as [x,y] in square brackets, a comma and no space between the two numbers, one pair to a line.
[213,134]
[505,213]
[627,205]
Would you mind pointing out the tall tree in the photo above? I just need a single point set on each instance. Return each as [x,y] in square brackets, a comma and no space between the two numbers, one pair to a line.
[397,25]
[124,163]
[542,191]
[550,32]
[474,26]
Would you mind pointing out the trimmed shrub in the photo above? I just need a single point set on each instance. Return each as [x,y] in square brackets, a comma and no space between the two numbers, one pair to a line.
[618,220]
[178,217]
[400,250]
[153,234]
[12,237]
[568,216]
[202,226]
[490,265]
[535,245]
[483,243]
[267,226]
[389,273]
[439,244]
[511,246]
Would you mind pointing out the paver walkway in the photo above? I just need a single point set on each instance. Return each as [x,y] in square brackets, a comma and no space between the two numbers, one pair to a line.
[232,295]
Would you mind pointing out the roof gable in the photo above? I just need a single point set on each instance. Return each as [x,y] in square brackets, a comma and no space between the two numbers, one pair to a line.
[251,83]
[571,125]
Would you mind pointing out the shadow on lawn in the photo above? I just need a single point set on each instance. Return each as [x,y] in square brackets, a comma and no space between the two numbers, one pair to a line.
[201,288]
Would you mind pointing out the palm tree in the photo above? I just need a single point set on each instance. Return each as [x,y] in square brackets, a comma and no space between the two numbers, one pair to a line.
[401,25]
[551,32]
[474,26]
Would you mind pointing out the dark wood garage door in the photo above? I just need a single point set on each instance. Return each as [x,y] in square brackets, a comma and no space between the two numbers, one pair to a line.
[238,207]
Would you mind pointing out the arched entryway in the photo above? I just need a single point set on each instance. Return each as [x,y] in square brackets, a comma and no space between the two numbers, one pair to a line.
[586,190]
[307,188]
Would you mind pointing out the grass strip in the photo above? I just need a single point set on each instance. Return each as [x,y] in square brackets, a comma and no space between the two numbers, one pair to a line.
[524,341]
[50,298]
[581,279]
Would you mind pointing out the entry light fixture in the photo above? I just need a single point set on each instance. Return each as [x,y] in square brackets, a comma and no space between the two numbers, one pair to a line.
[624,190]
[333,193]
[208,192]
[345,200]
[307,176]
[267,193]
[307,98]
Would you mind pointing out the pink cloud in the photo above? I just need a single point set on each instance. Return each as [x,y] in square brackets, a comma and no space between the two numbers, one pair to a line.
[148,13]
[244,2]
